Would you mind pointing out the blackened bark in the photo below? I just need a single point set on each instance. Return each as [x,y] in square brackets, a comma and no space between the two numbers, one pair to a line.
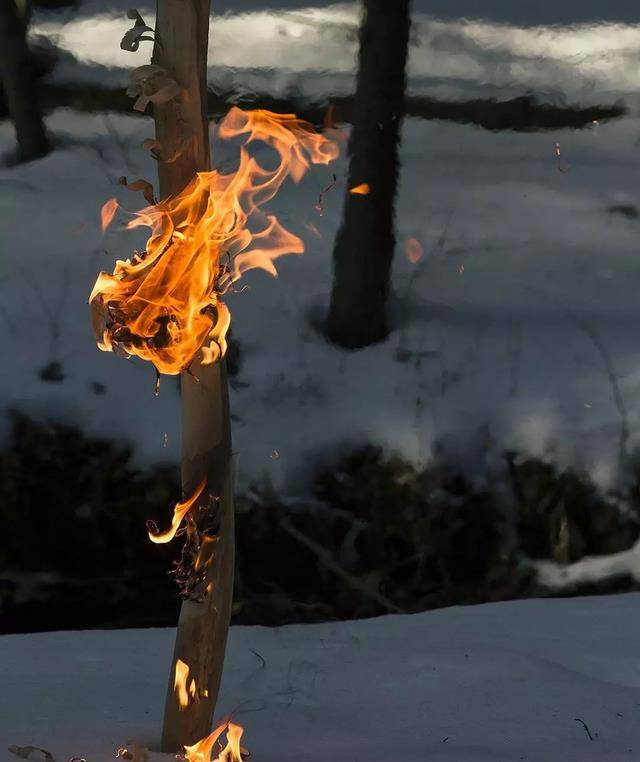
[364,245]
[19,84]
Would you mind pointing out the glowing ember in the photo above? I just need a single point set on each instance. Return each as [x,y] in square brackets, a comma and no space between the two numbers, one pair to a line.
[231,752]
[163,304]
[413,250]
[360,190]
[179,512]
[563,167]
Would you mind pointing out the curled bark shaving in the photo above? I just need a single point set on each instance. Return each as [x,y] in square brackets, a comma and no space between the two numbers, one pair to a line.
[143,186]
[137,34]
[151,84]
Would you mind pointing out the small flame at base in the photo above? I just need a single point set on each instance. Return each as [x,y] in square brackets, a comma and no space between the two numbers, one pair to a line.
[231,752]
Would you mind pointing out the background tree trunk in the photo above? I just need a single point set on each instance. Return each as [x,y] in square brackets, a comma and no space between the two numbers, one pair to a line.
[365,242]
[182,31]
[19,83]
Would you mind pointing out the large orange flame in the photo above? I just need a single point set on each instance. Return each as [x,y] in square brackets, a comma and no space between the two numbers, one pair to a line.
[163,304]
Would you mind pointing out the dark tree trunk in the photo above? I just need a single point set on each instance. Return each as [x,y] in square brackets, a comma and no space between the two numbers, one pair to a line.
[364,245]
[19,84]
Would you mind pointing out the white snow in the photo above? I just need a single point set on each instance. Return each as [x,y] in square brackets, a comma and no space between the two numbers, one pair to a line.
[590,569]
[522,262]
[527,274]
[312,51]
[499,682]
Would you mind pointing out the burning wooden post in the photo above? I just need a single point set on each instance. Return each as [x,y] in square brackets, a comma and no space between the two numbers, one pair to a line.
[164,305]
[181,42]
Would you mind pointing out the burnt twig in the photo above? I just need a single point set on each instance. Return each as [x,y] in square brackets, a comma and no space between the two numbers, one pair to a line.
[327,560]
[319,207]
[262,659]
[616,394]
[585,726]
[25,752]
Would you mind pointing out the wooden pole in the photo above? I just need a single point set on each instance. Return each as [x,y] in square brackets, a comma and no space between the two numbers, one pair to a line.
[182,32]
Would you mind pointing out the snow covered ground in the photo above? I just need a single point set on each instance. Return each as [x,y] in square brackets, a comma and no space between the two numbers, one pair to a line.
[519,324]
[525,299]
[499,682]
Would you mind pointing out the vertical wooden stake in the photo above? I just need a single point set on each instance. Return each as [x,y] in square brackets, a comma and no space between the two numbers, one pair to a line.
[182,33]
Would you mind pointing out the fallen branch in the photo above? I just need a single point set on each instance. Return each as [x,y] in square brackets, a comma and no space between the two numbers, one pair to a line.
[618,400]
[25,752]
[327,560]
